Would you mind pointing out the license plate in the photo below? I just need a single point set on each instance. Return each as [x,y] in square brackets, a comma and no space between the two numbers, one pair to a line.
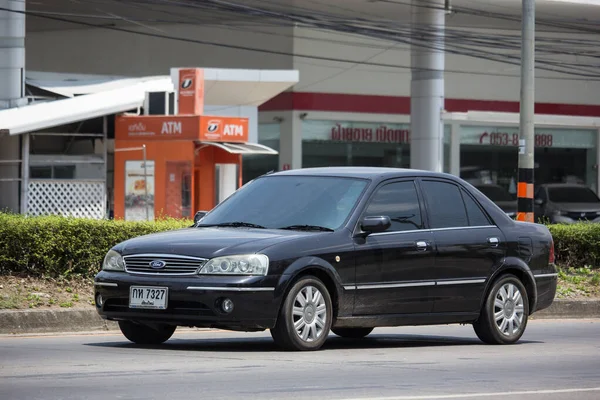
[148,297]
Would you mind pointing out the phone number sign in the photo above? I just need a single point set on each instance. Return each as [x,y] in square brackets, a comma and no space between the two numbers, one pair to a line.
[504,136]
[512,139]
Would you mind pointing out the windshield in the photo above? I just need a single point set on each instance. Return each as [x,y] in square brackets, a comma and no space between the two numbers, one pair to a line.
[290,201]
[495,193]
[570,194]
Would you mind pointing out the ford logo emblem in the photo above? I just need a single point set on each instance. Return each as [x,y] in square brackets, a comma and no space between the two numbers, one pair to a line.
[157,264]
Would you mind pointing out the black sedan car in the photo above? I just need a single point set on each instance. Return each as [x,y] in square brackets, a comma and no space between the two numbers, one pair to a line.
[345,249]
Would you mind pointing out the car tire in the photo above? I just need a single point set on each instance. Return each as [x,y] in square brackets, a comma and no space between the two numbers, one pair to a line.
[145,334]
[305,316]
[352,333]
[505,312]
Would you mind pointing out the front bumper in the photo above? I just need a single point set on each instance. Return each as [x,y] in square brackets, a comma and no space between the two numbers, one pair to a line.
[193,300]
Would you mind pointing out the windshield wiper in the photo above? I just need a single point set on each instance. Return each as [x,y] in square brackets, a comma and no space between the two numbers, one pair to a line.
[234,225]
[307,228]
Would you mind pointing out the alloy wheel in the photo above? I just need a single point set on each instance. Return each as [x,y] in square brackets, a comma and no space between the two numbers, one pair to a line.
[309,314]
[509,309]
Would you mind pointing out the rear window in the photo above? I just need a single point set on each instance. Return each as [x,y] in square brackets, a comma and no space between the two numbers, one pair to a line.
[570,194]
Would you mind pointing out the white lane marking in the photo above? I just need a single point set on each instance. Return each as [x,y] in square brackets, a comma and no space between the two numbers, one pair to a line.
[492,394]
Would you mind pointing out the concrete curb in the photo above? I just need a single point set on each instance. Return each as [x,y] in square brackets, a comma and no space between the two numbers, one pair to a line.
[570,309]
[48,321]
[87,320]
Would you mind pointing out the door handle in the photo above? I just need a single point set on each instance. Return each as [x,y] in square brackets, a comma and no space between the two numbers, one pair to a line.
[421,245]
[493,241]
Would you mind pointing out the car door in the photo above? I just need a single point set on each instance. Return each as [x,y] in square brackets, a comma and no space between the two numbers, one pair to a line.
[394,269]
[468,245]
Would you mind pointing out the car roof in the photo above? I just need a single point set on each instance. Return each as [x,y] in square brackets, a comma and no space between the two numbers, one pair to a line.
[361,172]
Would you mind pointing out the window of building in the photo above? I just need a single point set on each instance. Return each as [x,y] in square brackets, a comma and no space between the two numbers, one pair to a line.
[400,202]
[52,172]
[489,155]
[256,165]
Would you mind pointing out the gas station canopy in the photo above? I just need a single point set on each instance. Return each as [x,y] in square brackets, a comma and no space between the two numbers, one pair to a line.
[92,96]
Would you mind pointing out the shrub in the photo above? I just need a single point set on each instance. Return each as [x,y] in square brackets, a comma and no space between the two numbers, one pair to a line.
[54,246]
[577,245]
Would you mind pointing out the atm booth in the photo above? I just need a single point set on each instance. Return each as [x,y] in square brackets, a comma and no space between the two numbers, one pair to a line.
[175,165]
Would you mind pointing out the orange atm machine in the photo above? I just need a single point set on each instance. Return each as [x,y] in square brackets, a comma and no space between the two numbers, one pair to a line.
[175,165]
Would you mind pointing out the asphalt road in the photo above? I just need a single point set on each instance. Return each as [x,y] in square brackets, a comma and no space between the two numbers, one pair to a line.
[555,360]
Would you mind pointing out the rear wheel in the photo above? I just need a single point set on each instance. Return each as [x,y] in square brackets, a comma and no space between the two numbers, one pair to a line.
[505,313]
[146,334]
[352,333]
[305,316]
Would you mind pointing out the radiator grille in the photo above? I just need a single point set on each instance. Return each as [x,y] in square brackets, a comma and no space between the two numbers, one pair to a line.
[173,264]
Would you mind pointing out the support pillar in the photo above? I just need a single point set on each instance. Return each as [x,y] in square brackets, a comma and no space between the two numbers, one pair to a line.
[290,141]
[25,151]
[12,54]
[455,150]
[427,85]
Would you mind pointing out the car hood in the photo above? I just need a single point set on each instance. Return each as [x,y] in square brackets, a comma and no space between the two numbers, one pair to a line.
[207,242]
[577,207]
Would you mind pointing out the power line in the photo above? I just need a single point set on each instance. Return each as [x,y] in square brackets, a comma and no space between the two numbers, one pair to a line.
[408,38]
[462,50]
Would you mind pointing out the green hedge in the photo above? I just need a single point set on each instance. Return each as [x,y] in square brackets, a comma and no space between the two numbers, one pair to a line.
[577,245]
[64,247]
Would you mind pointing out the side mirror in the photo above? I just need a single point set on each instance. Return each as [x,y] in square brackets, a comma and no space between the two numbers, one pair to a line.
[538,202]
[199,215]
[376,224]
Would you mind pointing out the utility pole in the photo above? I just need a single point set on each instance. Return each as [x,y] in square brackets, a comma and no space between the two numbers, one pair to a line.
[428,19]
[526,124]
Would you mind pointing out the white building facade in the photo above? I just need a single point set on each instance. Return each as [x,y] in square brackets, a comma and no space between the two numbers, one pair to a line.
[352,103]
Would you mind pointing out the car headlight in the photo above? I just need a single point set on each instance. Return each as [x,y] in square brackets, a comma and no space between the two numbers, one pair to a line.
[113,262]
[249,264]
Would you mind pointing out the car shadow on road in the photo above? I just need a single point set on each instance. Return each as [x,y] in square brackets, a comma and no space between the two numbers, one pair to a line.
[266,344]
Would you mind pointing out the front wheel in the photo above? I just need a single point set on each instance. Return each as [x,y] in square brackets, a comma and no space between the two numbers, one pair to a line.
[305,317]
[145,334]
[505,313]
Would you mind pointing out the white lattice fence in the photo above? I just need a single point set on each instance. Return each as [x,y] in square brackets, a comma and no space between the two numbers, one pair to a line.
[83,199]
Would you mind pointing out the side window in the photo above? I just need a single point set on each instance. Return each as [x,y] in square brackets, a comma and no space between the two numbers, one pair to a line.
[474,213]
[400,202]
[445,205]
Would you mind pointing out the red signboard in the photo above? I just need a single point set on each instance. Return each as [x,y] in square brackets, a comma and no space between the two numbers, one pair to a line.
[382,134]
[156,127]
[181,127]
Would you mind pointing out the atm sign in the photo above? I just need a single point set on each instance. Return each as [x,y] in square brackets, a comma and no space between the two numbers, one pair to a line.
[221,129]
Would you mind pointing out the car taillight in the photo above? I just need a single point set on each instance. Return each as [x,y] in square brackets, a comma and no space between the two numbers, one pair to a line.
[551,258]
